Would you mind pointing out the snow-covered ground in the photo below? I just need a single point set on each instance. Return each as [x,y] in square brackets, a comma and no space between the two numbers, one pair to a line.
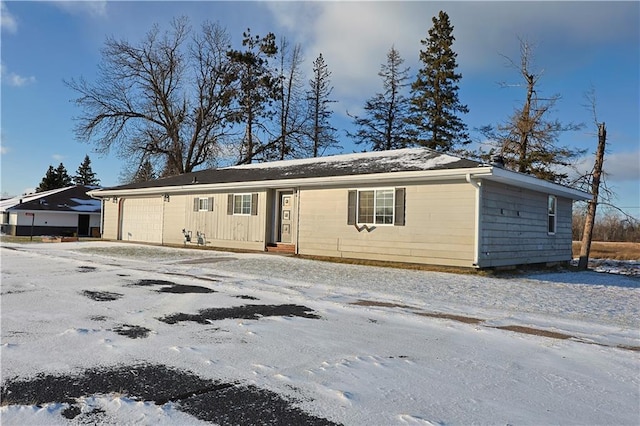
[418,347]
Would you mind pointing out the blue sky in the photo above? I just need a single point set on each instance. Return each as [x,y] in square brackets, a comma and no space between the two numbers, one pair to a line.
[579,45]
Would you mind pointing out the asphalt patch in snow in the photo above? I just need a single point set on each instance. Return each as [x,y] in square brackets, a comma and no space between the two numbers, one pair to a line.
[86,268]
[102,296]
[208,400]
[251,312]
[132,331]
[245,297]
[171,287]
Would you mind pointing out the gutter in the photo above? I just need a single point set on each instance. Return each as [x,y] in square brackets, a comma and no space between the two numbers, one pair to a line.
[372,178]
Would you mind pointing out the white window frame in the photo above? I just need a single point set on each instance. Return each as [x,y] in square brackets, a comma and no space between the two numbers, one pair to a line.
[375,206]
[203,204]
[242,205]
[552,215]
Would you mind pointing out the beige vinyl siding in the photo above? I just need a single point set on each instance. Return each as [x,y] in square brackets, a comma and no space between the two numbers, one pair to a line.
[110,220]
[439,226]
[514,227]
[173,219]
[220,229]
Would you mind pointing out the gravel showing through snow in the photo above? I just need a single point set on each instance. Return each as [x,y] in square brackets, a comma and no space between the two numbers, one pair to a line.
[287,329]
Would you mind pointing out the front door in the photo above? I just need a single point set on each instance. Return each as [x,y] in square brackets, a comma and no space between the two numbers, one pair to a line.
[83,225]
[286,216]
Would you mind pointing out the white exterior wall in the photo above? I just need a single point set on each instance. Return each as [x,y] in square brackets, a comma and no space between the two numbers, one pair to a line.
[439,226]
[45,218]
[514,227]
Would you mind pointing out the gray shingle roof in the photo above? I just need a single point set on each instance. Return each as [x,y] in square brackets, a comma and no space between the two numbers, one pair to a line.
[410,159]
[72,199]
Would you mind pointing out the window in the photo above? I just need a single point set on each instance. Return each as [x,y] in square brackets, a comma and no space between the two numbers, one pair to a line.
[242,204]
[202,204]
[376,206]
[551,211]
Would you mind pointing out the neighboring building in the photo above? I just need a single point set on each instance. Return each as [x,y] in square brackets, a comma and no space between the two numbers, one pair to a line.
[59,212]
[408,205]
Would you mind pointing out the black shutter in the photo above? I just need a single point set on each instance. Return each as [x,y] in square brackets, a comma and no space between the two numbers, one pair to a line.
[399,207]
[210,204]
[351,207]
[254,204]
[230,204]
[196,204]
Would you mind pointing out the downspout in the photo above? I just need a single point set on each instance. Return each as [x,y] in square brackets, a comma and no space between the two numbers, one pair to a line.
[476,243]
[297,200]
[102,219]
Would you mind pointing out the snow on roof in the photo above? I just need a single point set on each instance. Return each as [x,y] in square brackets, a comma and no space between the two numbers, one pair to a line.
[365,163]
[413,158]
[69,199]
[12,202]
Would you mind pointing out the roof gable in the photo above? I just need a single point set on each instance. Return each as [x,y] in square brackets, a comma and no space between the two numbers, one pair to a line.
[69,199]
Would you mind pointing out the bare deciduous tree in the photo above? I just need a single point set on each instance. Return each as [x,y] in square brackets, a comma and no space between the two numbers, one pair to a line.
[166,98]
[291,111]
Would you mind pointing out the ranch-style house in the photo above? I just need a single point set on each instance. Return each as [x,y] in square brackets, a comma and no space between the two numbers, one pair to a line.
[410,205]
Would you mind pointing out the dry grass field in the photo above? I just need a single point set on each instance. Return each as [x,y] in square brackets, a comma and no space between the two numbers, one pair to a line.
[610,250]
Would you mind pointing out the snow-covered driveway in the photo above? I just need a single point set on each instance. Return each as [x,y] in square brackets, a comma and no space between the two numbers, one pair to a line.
[350,344]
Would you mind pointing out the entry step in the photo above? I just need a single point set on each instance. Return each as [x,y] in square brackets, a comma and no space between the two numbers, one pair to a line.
[281,248]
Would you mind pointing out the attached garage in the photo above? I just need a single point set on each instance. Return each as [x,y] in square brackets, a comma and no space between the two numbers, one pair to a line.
[141,219]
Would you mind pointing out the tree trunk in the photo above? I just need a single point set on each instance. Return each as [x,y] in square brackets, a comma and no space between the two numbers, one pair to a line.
[587,234]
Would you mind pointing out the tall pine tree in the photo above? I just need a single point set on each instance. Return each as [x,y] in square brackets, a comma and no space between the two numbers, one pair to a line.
[384,127]
[63,177]
[434,94]
[85,175]
[54,179]
[258,87]
[322,134]
[49,181]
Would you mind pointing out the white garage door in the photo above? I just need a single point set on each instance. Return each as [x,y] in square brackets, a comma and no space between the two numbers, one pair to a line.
[142,220]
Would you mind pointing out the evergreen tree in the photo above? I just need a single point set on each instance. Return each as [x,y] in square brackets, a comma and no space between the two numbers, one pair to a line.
[85,175]
[322,134]
[384,126]
[258,87]
[63,178]
[527,140]
[49,181]
[434,94]
[144,173]
[54,179]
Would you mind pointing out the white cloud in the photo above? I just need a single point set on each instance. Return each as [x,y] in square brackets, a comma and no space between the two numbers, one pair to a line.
[91,8]
[7,20]
[623,166]
[58,157]
[4,149]
[13,79]
[354,37]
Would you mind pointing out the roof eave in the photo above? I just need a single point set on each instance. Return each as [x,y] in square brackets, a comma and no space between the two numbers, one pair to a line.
[530,182]
[483,172]
[378,178]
